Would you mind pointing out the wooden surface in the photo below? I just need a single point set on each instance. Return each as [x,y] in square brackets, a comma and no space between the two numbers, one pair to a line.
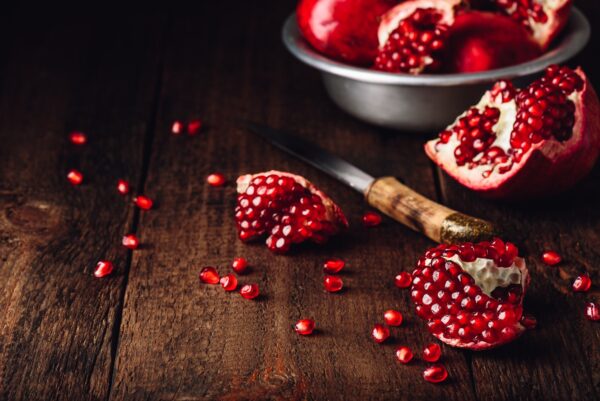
[151,331]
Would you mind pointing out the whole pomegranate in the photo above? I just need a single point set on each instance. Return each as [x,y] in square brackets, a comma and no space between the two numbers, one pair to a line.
[471,295]
[345,30]
[524,143]
[286,208]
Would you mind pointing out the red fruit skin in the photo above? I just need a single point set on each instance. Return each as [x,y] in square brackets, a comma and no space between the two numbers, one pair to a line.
[345,30]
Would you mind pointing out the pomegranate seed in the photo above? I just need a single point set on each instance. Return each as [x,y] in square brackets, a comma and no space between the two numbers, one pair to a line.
[177,127]
[334,265]
[249,291]
[435,374]
[432,352]
[592,312]
[551,258]
[229,282]
[216,180]
[529,321]
[371,219]
[239,265]
[380,333]
[123,187]
[131,241]
[194,127]
[392,317]
[404,354]
[304,327]
[209,275]
[333,283]
[143,202]
[103,268]
[582,283]
[403,280]
[78,138]
[75,177]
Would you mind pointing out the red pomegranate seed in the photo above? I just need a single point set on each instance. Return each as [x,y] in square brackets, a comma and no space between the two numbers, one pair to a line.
[551,258]
[432,352]
[103,268]
[592,312]
[229,282]
[131,241]
[78,138]
[582,283]
[404,354]
[334,265]
[529,321]
[380,333]
[249,291]
[304,327]
[209,275]
[435,374]
[143,202]
[75,177]
[333,283]
[392,317]
[216,180]
[239,265]
[371,219]
[194,127]
[123,187]
[403,280]
[177,127]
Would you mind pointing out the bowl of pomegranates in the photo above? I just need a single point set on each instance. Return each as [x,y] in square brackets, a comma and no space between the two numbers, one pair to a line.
[416,64]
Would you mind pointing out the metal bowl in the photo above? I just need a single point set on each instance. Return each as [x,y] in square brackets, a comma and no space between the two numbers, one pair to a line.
[422,102]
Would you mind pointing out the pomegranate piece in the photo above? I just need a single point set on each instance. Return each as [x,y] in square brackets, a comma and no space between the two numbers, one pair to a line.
[403,280]
[435,374]
[209,275]
[551,258]
[304,327]
[524,143]
[380,333]
[404,354]
[582,283]
[345,30]
[287,209]
[130,241]
[432,352]
[123,187]
[592,312]
[371,219]
[103,268]
[216,180]
[334,266]
[249,291]
[392,317]
[229,282]
[194,127]
[177,128]
[77,138]
[333,283]
[239,265]
[143,202]
[471,295]
[75,177]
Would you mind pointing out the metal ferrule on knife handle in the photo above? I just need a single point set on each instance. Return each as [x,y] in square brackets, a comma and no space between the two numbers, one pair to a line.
[436,221]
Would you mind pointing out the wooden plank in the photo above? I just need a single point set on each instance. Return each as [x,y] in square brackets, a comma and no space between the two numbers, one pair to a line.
[184,340]
[62,73]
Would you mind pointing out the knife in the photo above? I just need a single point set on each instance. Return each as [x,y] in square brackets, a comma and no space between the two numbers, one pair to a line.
[386,194]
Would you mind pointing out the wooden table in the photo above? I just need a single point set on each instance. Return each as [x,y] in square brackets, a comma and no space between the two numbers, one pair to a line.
[151,331]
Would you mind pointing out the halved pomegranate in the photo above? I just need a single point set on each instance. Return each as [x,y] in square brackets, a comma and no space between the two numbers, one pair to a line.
[518,144]
[287,208]
[471,295]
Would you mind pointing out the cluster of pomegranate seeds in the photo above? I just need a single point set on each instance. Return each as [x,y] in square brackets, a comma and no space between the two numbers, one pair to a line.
[414,45]
[503,91]
[392,317]
[143,202]
[380,333]
[403,280]
[103,268]
[209,275]
[130,241]
[522,10]
[582,283]
[249,291]
[75,177]
[371,219]
[435,374]
[304,327]
[332,283]
[239,265]
[592,312]
[404,354]
[229,282]
[123,187]
[564,78]
[432,352]
[177,127]
[551,258]
[77,138]
[334,265]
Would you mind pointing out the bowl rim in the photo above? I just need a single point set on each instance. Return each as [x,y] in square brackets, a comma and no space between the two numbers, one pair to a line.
[572,40]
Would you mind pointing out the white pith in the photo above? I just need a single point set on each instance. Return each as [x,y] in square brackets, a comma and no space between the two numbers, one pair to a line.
[488,276]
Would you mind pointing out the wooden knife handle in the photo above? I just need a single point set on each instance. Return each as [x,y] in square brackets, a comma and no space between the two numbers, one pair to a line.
[436,221]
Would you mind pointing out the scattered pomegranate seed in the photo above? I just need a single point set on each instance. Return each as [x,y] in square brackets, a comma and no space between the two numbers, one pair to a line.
[432,352]
[194,127]
[78,138]
[216,180]
[392,317]
[551,258]
[403,280]
[334,265]
[143,202]
[529,321]
[380,333]
[249,291]
[582,283]
[304,327]
[371,219]
[435,374]
[103,268]
[229,282]
[123,187]
[333,283]
[177,127]
[209,275]
[131,241]
[404,354]
[75,177]
[592,312]
[239,265]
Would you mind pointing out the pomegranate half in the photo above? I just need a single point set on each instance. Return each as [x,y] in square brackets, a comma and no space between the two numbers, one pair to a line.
[524,143]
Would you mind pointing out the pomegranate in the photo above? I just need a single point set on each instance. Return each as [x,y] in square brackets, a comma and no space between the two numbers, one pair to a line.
[333,283]
[345,30]
[432,352]
[582,283]
[194,127]
[551,258]
[143,202]
[403,280]
[250,291]
[404,354]
[176,127]
[287,208]
[435,373]
[239,265]
[209,275]
[216,180]
[334,265]
[304,327]
[229,282]
[103,268]
[78,138]
[592,312]
[123,187]
[75,177]
[392,317]
[130,241]
[380,333]
[471,295]
[517,144]
[371,219]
